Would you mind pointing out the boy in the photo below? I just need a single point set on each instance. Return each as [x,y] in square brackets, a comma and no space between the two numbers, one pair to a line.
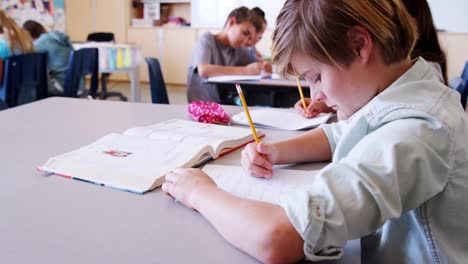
[399,172]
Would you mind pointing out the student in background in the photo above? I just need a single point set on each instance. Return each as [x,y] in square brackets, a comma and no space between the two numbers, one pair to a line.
[254,53]
[427,46]
[398,164]
[225,53]
[58,47]
[14,40]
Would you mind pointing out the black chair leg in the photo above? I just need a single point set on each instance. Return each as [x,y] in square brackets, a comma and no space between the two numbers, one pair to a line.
[103,93]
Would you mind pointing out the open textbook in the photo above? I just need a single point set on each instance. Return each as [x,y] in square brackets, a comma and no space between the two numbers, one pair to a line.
[137,160]
[286,119]
[234,180]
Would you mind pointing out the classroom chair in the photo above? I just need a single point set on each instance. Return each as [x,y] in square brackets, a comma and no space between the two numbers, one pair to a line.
[3,106]
[105,37]
[24,79]
[157,85]
[464,92]
[82,62]
[459,83]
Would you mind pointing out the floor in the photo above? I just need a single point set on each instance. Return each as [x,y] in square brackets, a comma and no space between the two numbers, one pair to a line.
[177,93]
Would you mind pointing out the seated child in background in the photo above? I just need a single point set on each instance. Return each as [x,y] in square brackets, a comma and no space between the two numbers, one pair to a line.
[225,53]
[427,46]
[254,53]
[58,47]
[14,40]
[399,172]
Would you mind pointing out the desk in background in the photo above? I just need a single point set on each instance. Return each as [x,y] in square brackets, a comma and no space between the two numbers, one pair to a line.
[48,219]
[265,92]
[115,57]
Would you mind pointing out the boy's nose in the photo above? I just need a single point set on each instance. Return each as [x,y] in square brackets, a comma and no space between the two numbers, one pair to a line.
[248,41]
[316,94]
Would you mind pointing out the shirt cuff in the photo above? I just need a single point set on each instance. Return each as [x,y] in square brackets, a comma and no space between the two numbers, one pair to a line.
[307,215]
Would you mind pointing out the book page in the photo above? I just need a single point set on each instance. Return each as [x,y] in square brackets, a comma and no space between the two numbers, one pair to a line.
[281,119]
[125,162]
[235,180]
[193,132]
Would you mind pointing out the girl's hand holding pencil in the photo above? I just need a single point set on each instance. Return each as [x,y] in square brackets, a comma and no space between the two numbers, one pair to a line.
[258,159]
[313,108]
[261,160]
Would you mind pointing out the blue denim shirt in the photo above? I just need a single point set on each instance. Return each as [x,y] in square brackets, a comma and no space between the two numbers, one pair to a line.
[398,179]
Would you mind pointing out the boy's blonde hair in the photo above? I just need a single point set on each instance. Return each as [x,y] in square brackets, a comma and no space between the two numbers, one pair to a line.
[318,29]
[18,39]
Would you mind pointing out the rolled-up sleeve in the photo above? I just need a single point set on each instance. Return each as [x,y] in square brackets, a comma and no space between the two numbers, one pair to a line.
[388,172]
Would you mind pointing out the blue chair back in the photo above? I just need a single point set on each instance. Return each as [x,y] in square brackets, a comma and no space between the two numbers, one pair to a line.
[157,85]
[82,62]
[459,84]
[464,90]
[24,79]
[464,74]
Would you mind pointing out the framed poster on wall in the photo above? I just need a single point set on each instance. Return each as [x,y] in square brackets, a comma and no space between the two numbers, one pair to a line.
[50,13]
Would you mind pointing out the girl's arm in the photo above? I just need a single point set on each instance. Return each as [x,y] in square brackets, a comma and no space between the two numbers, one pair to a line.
[260,229]
[309,146]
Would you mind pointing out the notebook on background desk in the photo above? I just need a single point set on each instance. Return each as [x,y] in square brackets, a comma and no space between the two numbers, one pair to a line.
[137,160]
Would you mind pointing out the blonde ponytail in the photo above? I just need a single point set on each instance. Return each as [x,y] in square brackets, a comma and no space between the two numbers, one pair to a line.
[18,39]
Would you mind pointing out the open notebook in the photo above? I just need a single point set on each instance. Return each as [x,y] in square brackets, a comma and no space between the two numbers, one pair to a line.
[137,160]
[286,119]
[234,180]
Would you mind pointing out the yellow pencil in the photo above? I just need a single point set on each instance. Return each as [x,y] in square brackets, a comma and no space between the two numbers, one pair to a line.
[246,110]
[301,93]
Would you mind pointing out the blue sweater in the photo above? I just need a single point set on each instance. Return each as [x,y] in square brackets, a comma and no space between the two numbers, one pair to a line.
[58,47]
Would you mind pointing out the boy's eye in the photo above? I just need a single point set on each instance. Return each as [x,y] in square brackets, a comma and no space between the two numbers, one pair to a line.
[312,80]
[318,78]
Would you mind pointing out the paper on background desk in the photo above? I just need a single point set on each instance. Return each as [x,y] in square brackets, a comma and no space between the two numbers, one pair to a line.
[232,78]
[285,119]
[234,180]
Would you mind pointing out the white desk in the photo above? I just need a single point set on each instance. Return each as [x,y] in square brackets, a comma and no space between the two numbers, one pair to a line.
[115,57]
[58,220]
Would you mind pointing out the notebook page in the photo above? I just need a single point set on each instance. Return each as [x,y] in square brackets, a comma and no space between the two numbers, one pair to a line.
[281,119]
[235,180]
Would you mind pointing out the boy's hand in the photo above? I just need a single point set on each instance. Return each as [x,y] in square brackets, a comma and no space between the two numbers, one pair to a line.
[184,184]
[267,68]
[254,68]
[255,163]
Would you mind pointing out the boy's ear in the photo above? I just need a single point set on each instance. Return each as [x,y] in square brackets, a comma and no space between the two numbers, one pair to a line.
[361,43]
[232,21]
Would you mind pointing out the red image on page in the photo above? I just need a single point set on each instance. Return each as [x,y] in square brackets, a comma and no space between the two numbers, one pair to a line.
[117,153]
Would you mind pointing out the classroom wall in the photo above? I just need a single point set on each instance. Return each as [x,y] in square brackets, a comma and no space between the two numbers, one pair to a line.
[455,46]
[450,15]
